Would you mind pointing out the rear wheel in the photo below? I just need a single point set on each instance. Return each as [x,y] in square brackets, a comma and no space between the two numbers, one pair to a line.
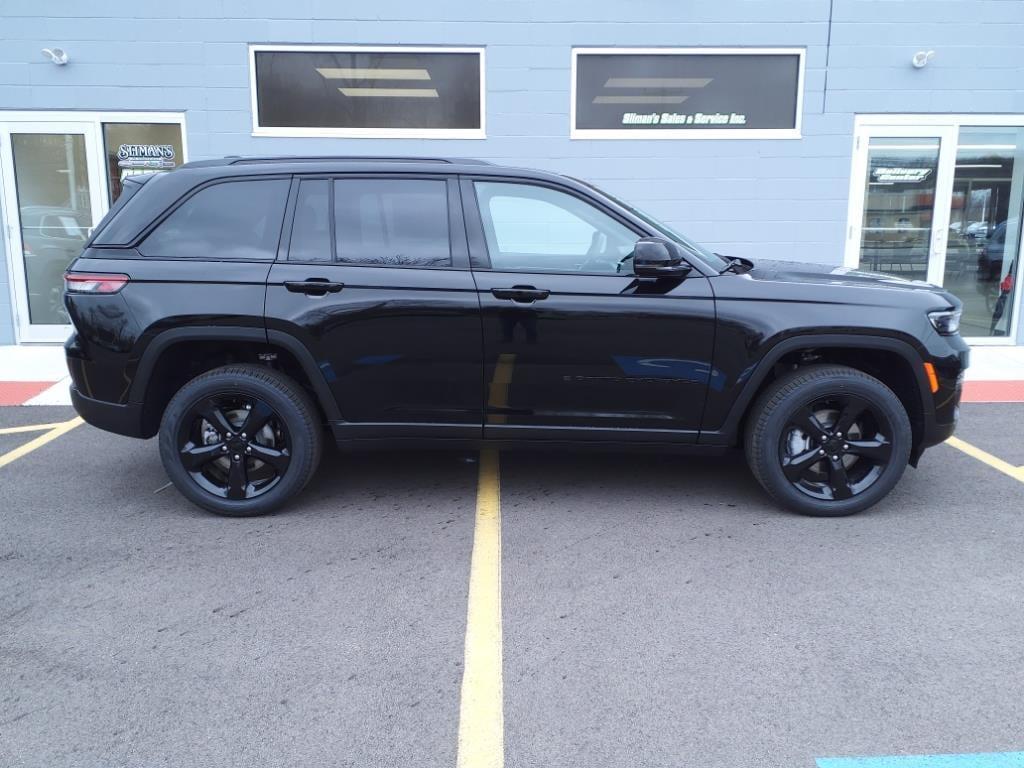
[828,440]
[240,440]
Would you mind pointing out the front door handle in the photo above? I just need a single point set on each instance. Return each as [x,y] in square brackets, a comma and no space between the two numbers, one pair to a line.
[524,294]
[314,286]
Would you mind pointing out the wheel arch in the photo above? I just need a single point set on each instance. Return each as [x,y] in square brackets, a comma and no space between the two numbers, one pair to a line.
[177,355]
[895,362]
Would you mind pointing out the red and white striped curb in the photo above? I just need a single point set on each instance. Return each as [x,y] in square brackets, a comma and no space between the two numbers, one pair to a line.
[34,375]
[35,392]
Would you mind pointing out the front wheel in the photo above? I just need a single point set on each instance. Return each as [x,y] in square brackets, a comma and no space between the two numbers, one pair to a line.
[240,440]
[828,440]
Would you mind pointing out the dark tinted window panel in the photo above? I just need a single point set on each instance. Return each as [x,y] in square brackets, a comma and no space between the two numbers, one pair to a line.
[311,228]
[392,222]
[689,93]
[365,90]
[231,220]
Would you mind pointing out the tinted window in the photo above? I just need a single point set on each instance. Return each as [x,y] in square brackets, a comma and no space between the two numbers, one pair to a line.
[395,222]
[366,90]
[530,229]
[677,93]
[311,229]
[128,191]
[230,220]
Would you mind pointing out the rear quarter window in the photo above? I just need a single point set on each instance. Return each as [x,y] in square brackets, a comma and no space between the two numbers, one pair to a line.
[128,191]
[237,220]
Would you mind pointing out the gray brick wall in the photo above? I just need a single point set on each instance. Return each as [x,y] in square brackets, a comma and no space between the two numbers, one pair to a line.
[779,199]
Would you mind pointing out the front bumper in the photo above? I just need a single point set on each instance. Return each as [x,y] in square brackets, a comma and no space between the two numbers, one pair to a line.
[950,370]
[112,417]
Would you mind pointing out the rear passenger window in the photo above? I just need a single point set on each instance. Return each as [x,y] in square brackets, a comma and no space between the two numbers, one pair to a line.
[231,220]
[311,229]
[391,222]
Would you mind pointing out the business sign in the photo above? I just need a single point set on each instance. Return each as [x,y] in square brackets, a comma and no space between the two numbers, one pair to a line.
[133,149]
[687,93]
[147,156]
[899,175]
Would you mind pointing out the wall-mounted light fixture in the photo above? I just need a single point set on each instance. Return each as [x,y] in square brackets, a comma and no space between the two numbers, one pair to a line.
[57,55]
[921,59]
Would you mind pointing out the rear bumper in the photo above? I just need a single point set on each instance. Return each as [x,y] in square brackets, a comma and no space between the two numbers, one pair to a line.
[112,417]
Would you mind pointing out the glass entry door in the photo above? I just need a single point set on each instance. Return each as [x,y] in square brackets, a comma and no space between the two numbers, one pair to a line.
[942,203]
[984,228]
[53,199]
[59,174]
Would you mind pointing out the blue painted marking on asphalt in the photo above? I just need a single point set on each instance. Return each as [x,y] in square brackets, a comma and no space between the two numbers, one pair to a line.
[980,760]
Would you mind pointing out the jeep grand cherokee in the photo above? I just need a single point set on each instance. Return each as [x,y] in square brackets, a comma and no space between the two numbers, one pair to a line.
[247,309]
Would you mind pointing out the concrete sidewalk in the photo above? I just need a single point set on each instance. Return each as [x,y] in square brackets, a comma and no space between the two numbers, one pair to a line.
[35,374]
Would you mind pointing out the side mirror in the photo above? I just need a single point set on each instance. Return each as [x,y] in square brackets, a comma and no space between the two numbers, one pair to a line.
[657,257]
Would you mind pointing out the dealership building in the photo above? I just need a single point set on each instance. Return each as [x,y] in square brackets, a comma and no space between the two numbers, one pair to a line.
[878,134]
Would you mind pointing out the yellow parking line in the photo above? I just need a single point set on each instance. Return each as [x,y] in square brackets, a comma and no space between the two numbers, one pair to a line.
[501,380]
[1017,473]
[29,428]
[56,431]
[481,714]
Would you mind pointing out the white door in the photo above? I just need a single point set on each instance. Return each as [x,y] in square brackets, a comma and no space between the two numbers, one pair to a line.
[896,224]
[53,197]
[939,198]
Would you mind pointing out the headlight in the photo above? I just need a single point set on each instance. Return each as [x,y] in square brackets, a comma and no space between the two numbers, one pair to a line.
[945,321]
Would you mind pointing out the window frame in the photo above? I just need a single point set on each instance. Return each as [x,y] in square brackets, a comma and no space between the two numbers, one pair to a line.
[367,133]
[457,244]
[480,251]
[682,133]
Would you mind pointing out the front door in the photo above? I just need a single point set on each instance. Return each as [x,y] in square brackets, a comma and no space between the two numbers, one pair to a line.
[375,281]
[940,199]
[575,346]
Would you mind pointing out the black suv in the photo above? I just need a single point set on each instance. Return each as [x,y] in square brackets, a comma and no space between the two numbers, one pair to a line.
[244,308]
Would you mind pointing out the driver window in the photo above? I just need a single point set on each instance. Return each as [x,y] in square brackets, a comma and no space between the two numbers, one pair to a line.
[538,229]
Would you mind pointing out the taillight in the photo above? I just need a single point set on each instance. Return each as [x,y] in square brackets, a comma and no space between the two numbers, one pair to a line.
[92,282]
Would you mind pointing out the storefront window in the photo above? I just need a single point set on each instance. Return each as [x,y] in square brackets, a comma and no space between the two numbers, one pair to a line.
[687,93]
[984,227]
[367,92]
[133,148]
[899,195]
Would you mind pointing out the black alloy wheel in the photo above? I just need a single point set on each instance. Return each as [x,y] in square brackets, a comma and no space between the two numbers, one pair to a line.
[234,446]
[828,440]
[836,447]
[240,440]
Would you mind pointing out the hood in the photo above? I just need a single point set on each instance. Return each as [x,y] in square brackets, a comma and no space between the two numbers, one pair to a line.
[828,274]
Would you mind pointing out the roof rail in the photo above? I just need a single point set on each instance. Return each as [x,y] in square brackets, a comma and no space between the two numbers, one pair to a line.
[236,160]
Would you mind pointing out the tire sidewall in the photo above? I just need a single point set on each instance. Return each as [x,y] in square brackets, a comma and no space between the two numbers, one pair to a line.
[302,448]
[770,472]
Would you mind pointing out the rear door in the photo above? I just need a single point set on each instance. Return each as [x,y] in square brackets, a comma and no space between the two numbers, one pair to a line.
[373,277]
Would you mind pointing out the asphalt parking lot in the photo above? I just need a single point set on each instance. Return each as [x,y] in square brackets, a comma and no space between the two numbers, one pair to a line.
[655,611]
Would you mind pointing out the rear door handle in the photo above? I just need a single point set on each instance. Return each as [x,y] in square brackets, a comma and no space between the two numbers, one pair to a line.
[524,294]
[314,286]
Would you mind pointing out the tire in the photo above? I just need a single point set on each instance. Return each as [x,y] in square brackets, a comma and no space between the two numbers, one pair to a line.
[216,463]
[796,453]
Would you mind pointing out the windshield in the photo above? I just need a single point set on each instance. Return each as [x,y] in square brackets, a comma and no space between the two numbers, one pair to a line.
[713,260]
